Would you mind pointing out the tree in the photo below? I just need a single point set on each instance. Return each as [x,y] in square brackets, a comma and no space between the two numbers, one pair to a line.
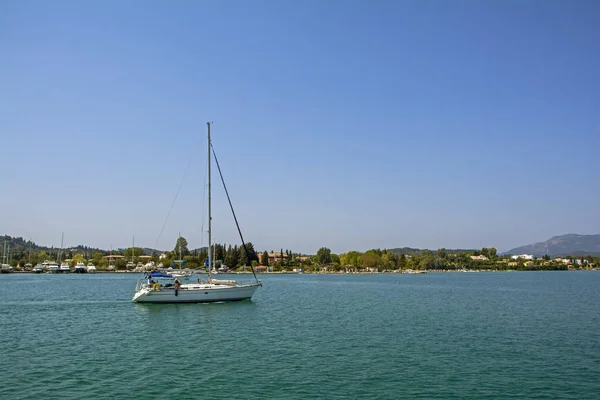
[352,258]
[193,262]
[220,252]
[120,263]
[97,258]
[136,251]
[42,256]
[371,259]
[235,256]
[246,259]
[335,259]
[413,261]
[229,261]
[427,260]
[181,246]
[402,261]
[442,253]
[265,258]
[390,260]
[324,255]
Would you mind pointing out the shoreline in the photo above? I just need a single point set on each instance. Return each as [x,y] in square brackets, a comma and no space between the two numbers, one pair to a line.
[413,272]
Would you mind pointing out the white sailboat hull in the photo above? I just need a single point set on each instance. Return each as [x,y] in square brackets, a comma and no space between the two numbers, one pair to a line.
[195,293]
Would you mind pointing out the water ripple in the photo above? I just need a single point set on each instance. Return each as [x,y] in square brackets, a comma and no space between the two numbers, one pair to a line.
[434,336]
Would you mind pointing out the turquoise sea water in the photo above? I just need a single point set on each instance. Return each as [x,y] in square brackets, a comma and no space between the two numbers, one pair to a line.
[520,335]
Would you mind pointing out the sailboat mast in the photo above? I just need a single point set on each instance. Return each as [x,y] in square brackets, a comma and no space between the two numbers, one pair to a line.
[210,257]
[62,237]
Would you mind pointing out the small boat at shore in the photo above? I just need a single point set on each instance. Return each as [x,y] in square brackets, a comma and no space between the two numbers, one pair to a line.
[6,269]
[91,268]
[64,267]
[51,267]
[179,274]
[80,268]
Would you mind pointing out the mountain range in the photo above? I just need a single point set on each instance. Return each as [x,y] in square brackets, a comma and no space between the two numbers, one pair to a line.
[570,244]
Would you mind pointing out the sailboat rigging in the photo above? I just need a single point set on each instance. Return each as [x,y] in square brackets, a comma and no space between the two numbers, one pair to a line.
[131,265]
[64,266]
[6,267]
[211,291]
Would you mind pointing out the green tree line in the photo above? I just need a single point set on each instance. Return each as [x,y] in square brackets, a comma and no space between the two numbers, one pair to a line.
[235,257]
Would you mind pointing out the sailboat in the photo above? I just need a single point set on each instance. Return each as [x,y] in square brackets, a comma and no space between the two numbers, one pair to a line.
[28,266]
[111,260]
[146,291]
[6,267]
[91,268]
[131,265]
[64,266]
[178,270]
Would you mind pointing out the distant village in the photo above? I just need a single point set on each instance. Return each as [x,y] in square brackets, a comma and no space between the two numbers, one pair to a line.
[244,259]
[529,261]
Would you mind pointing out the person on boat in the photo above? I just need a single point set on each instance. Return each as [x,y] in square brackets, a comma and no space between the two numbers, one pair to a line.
[176,286]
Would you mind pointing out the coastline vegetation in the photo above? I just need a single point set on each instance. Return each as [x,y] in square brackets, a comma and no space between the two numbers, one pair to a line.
[324,261]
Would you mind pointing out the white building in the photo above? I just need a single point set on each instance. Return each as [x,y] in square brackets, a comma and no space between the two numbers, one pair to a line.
[523,257]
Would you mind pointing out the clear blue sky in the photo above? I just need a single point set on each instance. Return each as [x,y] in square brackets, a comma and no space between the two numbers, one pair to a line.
[346,124]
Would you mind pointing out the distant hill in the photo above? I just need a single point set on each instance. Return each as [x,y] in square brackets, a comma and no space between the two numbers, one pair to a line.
[146,251]
[406,250]
[410,251]
[571,244]
[19,245]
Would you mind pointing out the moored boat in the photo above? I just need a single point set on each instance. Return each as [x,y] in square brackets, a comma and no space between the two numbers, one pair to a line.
[80,268]
[51,267]
[64,267]
[5,269]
